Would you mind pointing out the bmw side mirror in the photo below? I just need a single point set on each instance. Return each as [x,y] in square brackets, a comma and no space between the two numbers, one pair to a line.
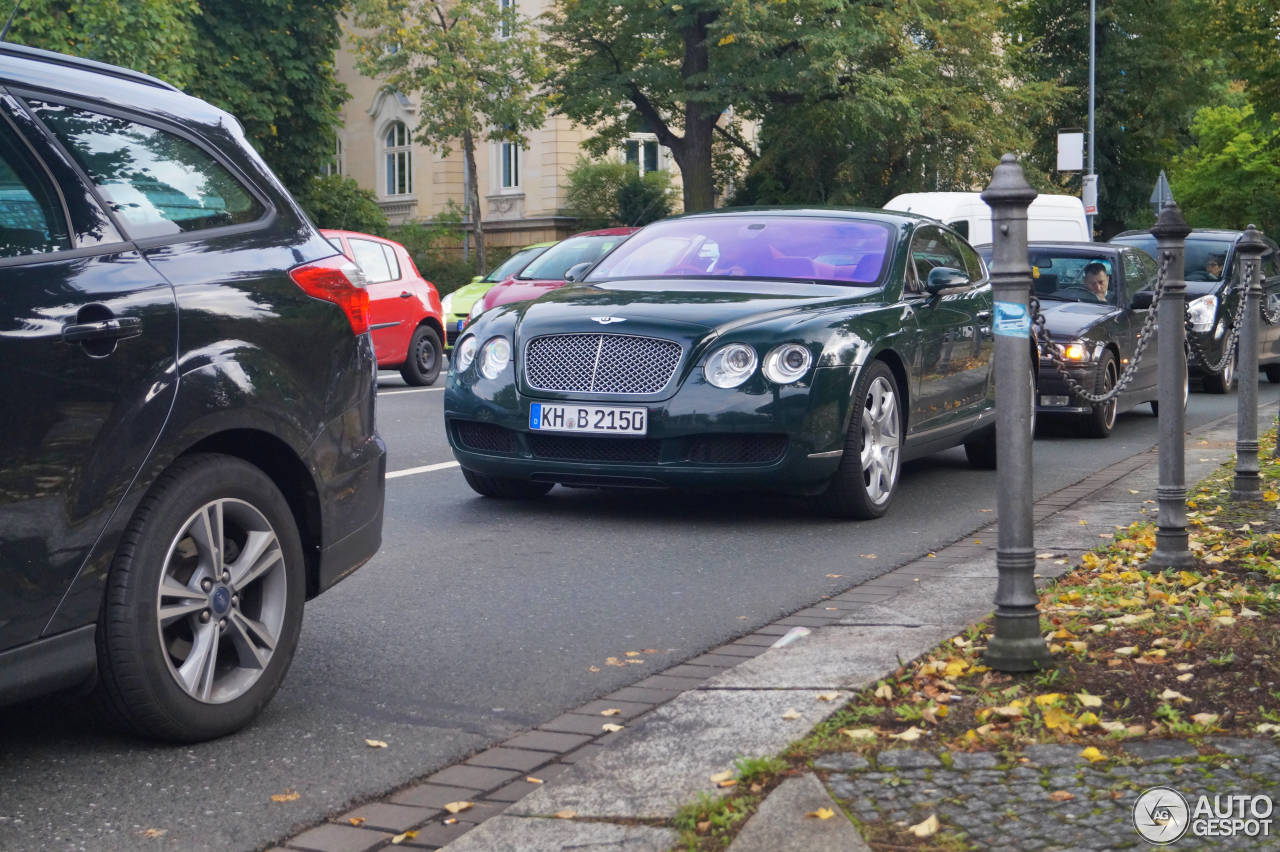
[575,272]
[1142,300]
[944,278]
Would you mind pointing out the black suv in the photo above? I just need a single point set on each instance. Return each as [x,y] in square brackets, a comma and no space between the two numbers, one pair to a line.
[1213,299]
[187,443]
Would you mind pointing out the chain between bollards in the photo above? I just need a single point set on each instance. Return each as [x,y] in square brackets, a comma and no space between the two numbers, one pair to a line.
[1247,485]
[1017,644]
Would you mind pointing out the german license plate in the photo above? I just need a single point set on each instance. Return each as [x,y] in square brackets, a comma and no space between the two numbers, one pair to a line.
[598,419]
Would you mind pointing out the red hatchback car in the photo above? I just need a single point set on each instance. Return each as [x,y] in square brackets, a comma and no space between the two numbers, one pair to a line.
[405,318]
[546,272]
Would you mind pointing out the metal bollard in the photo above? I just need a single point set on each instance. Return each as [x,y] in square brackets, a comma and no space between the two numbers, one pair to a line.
[1017,644]
[1247,485]
[1172,541]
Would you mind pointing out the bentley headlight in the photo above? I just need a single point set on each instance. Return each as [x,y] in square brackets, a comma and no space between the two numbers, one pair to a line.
[730,366]
[464,353]
[787,363]
[494,357]
[1202,312]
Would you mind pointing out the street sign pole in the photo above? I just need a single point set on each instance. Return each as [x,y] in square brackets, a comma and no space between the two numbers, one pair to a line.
[1017,644]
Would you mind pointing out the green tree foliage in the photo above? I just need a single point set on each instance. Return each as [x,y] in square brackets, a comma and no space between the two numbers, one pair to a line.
[1155,68]
[435,251]
[934,108]
[1230,177]
[335,201]
[271,64]
[475,68]
[691,70]
[1249,32]
[646,199]
[152,36]
[604,193]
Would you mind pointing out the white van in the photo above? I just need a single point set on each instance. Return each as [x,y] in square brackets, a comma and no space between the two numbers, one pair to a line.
[1059,218]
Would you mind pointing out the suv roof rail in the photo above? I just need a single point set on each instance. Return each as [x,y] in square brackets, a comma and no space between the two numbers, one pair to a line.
[37,54]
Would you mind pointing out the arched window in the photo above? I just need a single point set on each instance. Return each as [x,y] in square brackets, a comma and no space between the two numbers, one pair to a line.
[399,159]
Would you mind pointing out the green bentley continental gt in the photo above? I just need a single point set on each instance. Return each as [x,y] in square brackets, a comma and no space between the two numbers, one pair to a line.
[804,351]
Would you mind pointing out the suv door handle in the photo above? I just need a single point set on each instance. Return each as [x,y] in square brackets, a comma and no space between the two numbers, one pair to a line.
[116,328]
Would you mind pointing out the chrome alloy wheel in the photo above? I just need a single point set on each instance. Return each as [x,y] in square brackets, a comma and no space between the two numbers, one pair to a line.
[881,440]
[222,600]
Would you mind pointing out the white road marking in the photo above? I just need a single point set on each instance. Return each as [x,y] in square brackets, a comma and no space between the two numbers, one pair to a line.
[411,390]
[426,468]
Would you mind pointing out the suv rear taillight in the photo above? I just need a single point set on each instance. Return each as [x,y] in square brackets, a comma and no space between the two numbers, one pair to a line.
[336,279]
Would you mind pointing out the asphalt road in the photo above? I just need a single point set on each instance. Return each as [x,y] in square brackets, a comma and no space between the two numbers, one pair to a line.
[479,619]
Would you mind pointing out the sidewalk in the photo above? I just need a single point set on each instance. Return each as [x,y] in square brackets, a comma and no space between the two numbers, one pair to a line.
[576,783]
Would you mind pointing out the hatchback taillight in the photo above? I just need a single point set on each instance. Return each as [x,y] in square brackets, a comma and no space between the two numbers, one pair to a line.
[336,279]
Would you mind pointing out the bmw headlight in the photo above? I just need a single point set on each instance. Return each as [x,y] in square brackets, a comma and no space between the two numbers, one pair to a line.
[1073,351]
[730,366]
[1202,312]
[494,357]
[787,363]
[446,304]
[464,353]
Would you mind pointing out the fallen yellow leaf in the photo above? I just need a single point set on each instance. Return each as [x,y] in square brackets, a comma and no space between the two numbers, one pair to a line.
[1205,719]
[1093,755]
[532,780]
[356,820]
[375,743]
[722,776]
[287,796]
[159,832]
[828,696]
[1062,796]
[565,814]
[859,733]
[457,807]
[1173,695]
[910,735]
[1087,700]
[884,691]
[729,782]
[791,714]
[401,838]
[821,813]
[927,828]
[1048,698]
[612,711]
[610,727]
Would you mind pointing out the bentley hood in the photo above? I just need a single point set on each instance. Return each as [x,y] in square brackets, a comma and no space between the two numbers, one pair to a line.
[691,309]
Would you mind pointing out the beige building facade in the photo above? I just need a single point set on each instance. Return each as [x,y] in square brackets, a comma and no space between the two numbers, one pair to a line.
[522,190]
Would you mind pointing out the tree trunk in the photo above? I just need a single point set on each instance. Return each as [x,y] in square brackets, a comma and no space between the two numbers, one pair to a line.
[473,190]
[694,153]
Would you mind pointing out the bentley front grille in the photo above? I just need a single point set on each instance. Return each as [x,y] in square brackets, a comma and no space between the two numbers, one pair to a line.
[600,363]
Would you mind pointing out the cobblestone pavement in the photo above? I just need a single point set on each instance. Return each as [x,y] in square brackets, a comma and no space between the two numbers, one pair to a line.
[1006,802]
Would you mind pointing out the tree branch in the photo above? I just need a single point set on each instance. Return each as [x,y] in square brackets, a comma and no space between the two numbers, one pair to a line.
[737,141]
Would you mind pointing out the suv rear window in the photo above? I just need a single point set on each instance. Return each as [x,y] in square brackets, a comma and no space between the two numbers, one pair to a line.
[31,220]
[156,182]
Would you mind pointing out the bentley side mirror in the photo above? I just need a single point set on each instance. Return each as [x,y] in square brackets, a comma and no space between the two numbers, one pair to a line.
[575,272]
[944,278]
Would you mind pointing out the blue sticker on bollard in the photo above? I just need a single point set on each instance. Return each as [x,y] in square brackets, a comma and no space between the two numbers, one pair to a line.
[1012,319]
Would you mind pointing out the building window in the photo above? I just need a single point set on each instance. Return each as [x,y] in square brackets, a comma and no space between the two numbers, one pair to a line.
[643,153]
[334,166]
[399,160]
[507,9]
[509,165]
